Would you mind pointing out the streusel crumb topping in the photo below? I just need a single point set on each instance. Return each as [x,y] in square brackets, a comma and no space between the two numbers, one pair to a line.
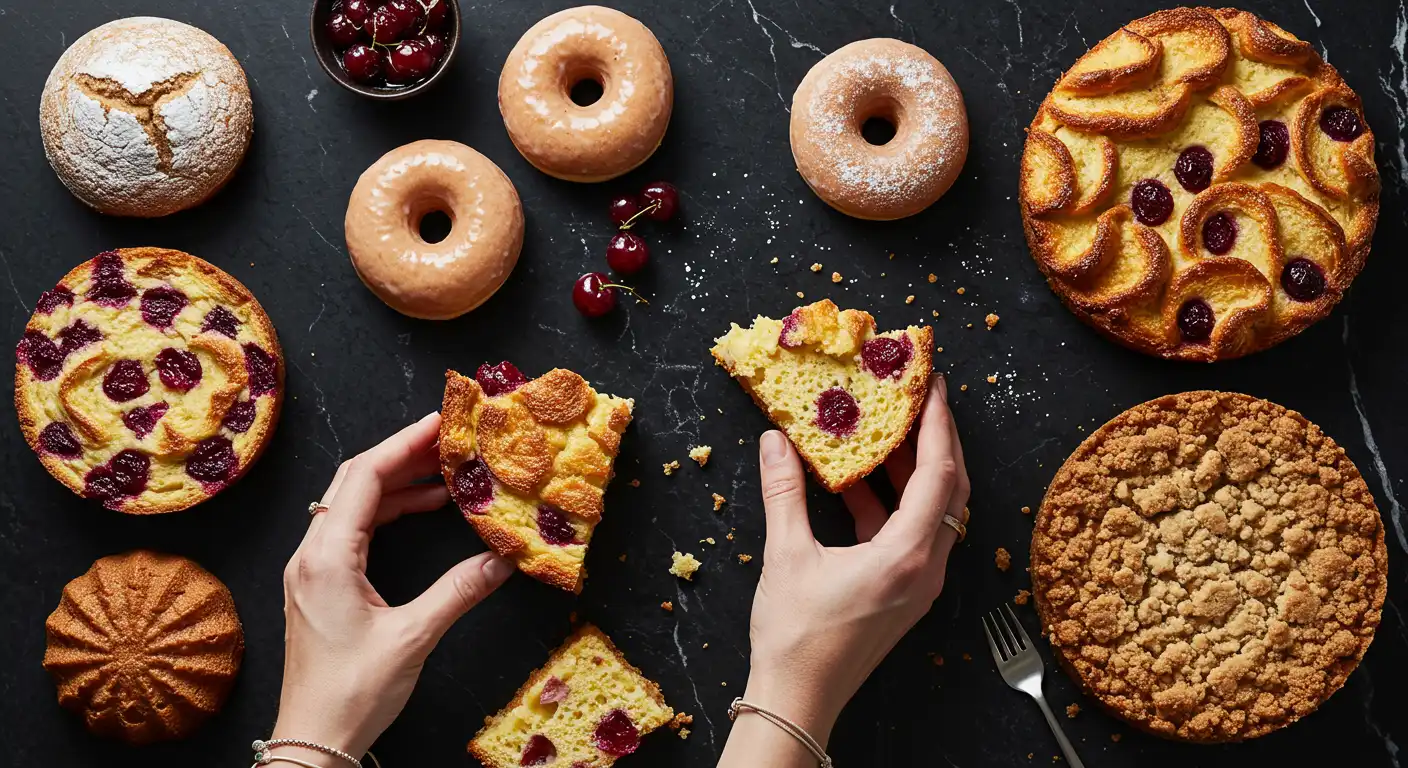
[1211,566]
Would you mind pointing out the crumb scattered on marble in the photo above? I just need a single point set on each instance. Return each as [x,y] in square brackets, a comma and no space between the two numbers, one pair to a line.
[684,565]
[910,300]
[816,266]
[1022,597]
[961,388]
[705,646]
[723,684]
[933,278]
[1026,510]
[719,502]
[667,606]
[991,320]
[622,558]
[745,559]
[700,454]
[970,325]
[967,657]
[940,350]
[774,260]
[1115,737]
[635,483]
[680,720]
[684,733]
[801,295]
[1003,558]
[709,540]
[835,277]
[1072,710]
[729,536]
[962,291]
[992,378]
[670,467]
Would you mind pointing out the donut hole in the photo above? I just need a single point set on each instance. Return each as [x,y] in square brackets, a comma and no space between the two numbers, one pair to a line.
[434,226]
[878,131]
[586,90]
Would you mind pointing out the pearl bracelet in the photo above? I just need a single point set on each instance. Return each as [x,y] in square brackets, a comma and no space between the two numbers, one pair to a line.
[264,753]
[792,729]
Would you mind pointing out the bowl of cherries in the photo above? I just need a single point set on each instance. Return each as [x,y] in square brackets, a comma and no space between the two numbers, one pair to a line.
[385,49]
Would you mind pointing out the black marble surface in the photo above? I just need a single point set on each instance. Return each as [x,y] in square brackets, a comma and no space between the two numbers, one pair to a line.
[357,372]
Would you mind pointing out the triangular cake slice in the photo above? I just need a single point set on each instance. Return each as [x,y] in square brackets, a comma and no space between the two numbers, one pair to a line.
[528,461]
[845,395]
[587,706]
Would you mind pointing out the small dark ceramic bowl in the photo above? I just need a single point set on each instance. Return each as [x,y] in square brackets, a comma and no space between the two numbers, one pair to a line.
[328,57]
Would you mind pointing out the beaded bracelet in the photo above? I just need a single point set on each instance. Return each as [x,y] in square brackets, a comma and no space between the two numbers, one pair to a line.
[264,753]
[792,729]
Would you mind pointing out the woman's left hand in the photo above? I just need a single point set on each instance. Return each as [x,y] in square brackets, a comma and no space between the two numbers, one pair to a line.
[350,660]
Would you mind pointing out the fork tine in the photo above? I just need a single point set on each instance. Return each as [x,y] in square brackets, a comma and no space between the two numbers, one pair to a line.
[1007,633]
[1026,641]
[997,655]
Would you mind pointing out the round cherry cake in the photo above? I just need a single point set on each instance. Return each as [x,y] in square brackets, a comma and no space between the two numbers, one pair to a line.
[148,380]
[1200,185]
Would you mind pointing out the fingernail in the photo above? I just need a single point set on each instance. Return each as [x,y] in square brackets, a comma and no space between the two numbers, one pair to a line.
[941,384]
[773,446]
[430,415]
[498,568]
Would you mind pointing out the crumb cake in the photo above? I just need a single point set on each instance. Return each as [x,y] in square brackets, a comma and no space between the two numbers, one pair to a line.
[585,708]
[528,462]
[144,646]
[1200,185]
[1210,566]
[845,395]
[148,379]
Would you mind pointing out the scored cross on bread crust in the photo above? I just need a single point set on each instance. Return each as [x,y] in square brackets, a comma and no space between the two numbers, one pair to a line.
[1200,185]
[844,395]
[528,462]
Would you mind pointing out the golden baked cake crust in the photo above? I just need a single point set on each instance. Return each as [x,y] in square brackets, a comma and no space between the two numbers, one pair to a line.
[844,395]
[1210,566]
[528,462]
[148,379]
[144,646]
[1200,185]
[560,715]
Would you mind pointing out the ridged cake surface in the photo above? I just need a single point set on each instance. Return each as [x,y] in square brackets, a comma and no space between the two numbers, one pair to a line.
[148,379]
[144,646]
[1200,185]
[585,708]
[528,462]
[845,395]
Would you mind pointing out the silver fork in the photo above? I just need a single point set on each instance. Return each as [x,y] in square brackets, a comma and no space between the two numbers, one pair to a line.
[1021,668]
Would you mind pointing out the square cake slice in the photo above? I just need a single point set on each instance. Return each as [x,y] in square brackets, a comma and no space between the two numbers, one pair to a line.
[584,708]
[528,461]
[845,395]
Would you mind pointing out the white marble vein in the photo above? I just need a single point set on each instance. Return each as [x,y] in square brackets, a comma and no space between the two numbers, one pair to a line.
[320,404]
[1312,13]
[1021,40]
[1395,510]
[684,662]
[1395,85]
[314,227]
[11,277]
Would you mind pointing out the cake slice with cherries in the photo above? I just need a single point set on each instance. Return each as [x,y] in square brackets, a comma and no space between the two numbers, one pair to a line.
[587,706]
[845,395]
[528,461]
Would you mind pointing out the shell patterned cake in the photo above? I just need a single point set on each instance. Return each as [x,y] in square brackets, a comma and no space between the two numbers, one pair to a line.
[584,708]
[144,646]
[1200,185]
[844,395]
[148,379]
[528,462]
[1210,566]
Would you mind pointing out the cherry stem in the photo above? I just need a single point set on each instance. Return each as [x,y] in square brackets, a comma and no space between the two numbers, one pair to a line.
[628,289]
[631,222]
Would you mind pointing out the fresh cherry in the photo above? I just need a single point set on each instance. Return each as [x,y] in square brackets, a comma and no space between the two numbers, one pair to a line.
[342,31]
[627,253]
[51,300]
[539,751]
[362,63]
[1196,320]
[1303,280]
[179,369]
[161,305]
[221,321]
[408,62]
[1341,124]
[436,11]
[125,380]
[1220,233]
[1151,201]
[616,735]
[472,486]
[593,294]
[624,208]
[1274,144]
[498,379]
[58,439]
[665,197]
[434,44]
[554,527]
[213,460]
[142,419]
[387,25]
[240,417]
[1193,169]
[357,11]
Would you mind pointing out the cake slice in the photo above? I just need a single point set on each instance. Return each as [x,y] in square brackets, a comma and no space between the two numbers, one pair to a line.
[843,394]
[586,707]
[528,461]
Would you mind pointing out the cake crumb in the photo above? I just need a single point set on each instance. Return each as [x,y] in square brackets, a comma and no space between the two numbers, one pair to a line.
[1004,559]
[933,278]
[708,540]
[635,483]
[961,388]
[992,378]
[1072,710]
[801,295]
[684,733]
[1022,597]
[935,311]
[962,290]
[991,320]
[667,606]
[939,350]
[719,502]
[705,646]
[723,684]
[680,720]
[744,559]
[967,657]
[684,565]
[774,260]
[1115,737]
[970,325]
[1026,510]
[729,536]
[835,277]
[622,558]
[816,266]
[909,299]
[892,258]
[700,454]
[670,467]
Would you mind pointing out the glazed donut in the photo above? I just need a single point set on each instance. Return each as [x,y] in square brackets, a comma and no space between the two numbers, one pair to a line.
[444,279]
[895,82]
[613,134]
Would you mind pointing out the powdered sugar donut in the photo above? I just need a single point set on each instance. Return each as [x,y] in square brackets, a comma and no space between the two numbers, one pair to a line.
[895,82]
[145,117]
[603,139]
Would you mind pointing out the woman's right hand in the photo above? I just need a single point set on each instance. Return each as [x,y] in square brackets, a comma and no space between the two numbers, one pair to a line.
[824,617]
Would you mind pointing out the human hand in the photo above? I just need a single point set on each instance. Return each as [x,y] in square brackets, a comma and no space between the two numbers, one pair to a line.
[350,660]
[824,617]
